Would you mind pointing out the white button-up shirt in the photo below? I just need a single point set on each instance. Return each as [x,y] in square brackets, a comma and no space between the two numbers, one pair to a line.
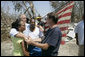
[80,30]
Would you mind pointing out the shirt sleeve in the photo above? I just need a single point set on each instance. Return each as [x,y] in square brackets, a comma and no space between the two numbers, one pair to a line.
[54,38]
[13,32]
[76,29]
[41,34]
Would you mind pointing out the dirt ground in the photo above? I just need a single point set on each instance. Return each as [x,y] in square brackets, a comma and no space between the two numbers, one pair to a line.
[69,49]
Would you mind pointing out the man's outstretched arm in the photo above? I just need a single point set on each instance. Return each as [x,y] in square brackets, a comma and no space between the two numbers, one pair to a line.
[40,45]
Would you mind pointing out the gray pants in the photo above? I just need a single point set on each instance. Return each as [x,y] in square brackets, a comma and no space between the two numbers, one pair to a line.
[81,50]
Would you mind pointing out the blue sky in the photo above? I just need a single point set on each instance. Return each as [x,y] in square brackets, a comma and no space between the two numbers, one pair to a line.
[43,7]
[6,4]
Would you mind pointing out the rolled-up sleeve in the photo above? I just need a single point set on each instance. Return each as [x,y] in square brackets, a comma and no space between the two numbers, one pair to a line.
[76,29]
[13,32]
[41,34]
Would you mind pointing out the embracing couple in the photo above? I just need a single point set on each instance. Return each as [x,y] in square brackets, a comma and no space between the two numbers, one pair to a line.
[28,39]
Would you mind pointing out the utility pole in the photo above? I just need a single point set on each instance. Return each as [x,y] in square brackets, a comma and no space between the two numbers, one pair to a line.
[32,7]
[27,9]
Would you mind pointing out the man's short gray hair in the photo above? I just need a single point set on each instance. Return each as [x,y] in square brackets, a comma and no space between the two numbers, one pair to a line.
[20,16]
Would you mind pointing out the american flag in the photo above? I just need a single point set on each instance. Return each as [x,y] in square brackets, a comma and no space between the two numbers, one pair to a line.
[64,16]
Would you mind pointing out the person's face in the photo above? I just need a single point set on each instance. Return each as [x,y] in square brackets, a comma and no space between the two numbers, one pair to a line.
[49,21]
[22,27]
[23,18]
[39,19]
[32,21]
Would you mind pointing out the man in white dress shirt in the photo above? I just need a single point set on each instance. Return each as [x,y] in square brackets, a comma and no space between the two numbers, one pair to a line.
[79,30]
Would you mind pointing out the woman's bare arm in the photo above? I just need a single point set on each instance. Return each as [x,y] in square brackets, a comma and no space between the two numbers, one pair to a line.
[40,45]
[26,53]
[21,35]
[37,40]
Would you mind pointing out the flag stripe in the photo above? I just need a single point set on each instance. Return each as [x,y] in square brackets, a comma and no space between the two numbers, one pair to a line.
[63,28]
[64,18]
[69,10]
[64,35]
[70,3]
[63,25]
[64,21]
[46,29]
[66,9]
[46,26]
[65,31]
[64,15]
[66,6]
